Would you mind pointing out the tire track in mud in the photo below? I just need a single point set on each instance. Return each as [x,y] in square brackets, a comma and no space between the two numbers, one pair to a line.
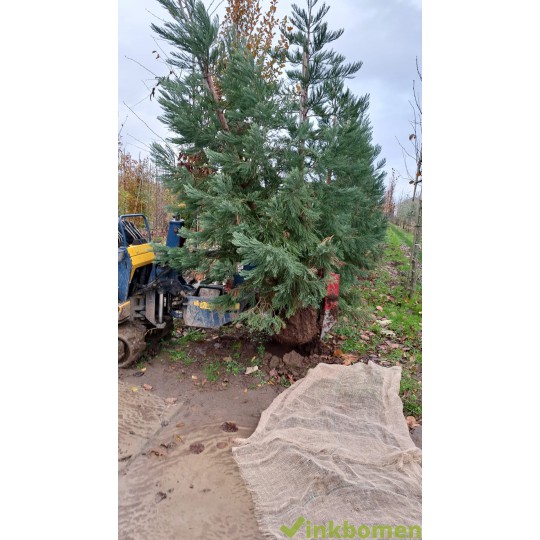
[168,492]
[140,415]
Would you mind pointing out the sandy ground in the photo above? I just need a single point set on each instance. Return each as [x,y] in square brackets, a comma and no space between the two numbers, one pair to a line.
[166,491]
[177,476]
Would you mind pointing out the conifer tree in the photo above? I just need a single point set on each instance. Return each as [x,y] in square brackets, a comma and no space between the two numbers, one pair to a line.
[286,181]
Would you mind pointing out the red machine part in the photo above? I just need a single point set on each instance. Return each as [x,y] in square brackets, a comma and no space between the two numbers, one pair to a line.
[330,308]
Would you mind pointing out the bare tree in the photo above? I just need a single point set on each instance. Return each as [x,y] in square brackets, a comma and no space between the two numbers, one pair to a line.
[414,153]
[417,130]
[389,205]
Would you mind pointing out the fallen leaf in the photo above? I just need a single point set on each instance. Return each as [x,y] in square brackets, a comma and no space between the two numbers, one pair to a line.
[379,308]
[142,370]
[229,427]
[349,359]
[170,444]
[171,400]
[364,337]
[411,422]
[338,352]
[394,345]
[180,424]
[384,322]
[196,448]
[227,359]
[387,332]
[250,370]
[194,377]
[147,387]
[160,496]
[134,389]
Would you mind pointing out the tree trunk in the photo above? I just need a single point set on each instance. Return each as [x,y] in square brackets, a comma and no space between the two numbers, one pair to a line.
[413,273]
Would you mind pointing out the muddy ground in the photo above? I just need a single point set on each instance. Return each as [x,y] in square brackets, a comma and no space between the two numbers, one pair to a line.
[179,412]
[177,477]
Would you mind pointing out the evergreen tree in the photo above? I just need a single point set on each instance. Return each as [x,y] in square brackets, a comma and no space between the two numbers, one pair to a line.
[283,174]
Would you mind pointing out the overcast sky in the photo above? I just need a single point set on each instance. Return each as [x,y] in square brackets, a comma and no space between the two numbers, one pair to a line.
[384,34]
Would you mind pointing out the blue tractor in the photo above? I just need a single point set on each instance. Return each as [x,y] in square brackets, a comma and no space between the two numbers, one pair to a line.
[151,295]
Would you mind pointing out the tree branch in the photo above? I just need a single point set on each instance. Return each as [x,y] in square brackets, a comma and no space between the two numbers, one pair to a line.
[156,134]
[144,67]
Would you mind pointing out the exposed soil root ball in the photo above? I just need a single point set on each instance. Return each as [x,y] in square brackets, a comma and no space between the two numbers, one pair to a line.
[301,328]
[293,363]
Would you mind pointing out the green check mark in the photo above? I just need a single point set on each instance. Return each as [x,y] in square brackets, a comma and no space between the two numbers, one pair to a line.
[290,532]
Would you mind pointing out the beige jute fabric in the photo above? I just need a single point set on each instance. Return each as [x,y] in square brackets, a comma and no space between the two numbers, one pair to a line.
[334,446]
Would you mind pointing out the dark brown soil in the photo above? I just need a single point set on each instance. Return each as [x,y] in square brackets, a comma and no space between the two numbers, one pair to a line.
[301,328]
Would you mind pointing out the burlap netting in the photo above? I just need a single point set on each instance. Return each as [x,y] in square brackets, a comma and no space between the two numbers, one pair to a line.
[334,446]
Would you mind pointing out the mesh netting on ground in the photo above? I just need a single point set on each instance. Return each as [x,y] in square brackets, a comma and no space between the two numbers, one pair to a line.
[333,447]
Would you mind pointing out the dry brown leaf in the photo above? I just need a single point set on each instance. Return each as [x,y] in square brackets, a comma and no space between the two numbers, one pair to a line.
[411,422]
[349,359]
[171,400]
[196,448]
[147,387]
[229,427]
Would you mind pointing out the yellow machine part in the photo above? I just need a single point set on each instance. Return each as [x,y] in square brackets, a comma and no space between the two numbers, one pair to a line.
[124,310]
[140,256]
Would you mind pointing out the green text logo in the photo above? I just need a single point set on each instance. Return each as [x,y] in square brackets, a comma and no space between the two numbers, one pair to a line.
[348,530]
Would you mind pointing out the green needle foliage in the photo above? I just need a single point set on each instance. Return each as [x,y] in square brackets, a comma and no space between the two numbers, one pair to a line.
[286,179]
